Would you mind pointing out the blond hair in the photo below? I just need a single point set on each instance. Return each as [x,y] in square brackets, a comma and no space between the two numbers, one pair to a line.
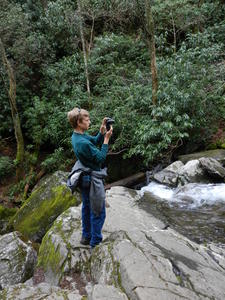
[75,115]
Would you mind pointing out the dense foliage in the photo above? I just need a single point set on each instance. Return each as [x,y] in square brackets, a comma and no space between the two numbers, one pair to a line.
[42,41]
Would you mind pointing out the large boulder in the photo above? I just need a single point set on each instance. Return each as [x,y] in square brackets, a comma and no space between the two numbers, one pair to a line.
[140,257]
[179,174]
[203,170]
[147,261]
[45,204]
[40,291]
[213,168]
[61,256]
[192,171]
[169,175]
[60,251]
[218,154]
[17,259]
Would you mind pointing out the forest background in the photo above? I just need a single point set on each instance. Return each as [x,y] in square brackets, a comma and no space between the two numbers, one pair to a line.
[157,67]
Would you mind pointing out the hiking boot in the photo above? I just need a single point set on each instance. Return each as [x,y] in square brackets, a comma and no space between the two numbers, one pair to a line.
[85,241]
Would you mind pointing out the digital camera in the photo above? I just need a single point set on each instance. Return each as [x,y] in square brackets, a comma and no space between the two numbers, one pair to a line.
[109,122]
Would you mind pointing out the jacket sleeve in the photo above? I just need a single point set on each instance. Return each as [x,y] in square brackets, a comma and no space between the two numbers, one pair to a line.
[96,140]
[94,154]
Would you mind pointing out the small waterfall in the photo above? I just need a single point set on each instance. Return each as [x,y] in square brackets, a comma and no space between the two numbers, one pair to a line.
[191,195]
[196,210]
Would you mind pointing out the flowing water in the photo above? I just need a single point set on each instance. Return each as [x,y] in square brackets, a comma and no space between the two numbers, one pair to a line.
[196,210]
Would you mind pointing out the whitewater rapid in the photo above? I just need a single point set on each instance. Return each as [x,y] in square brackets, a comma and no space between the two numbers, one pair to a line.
[192,195]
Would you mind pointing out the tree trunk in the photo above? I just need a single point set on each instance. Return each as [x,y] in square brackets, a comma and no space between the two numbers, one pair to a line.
[200,2]
[44,4]
[198,27]
[174,34]
[92,34]
[128,181]
[151,43]
[83,46]
[15,115]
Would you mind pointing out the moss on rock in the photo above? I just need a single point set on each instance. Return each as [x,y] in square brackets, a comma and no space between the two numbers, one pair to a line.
[48,255]
[59,246]
[44,205]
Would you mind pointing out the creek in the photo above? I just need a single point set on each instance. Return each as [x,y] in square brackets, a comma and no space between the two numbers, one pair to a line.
[196,210]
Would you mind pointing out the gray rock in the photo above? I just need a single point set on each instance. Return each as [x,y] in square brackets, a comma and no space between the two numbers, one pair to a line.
[169,175]
[166,177]
[213,168]
[192,172]
[218,154]
[203,170]
[59,177]
[17,259]
[48,200]
[60,250]
[175,166]
[147,262]
[138,257]
[217,253]
[38,292]
[106,292]
[29,282]
[179,174]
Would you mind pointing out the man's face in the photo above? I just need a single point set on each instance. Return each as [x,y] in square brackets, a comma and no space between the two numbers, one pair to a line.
[85,123]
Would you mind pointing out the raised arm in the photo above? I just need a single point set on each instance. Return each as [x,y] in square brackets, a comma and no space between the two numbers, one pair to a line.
[92,153]
[96,140]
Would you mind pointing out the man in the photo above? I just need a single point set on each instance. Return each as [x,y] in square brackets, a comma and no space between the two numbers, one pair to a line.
[90,156]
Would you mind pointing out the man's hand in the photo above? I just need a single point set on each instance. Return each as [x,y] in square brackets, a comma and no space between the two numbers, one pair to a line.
[103,126]
[108,135]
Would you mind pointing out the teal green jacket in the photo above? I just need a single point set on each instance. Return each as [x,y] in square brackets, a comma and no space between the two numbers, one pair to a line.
[85,148]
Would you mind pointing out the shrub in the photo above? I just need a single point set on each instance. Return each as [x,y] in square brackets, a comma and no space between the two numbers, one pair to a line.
[6,167]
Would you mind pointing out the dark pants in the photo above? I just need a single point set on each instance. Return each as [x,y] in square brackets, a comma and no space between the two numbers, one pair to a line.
[91,223]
